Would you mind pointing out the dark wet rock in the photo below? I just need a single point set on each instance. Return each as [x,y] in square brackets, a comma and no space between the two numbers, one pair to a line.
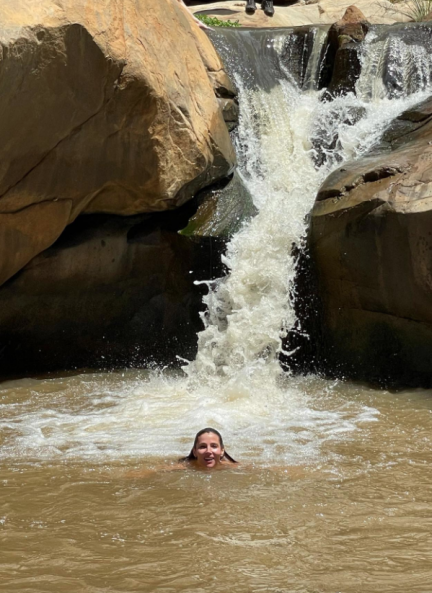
[342,64]
[222,211]
[296,51]
[346,70]
[111,292]
[419,113]
[230,111]
[401,129]
[370,243]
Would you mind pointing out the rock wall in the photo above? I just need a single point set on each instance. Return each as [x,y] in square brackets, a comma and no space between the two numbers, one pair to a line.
[106,106]
[113,291]
[114,114]
[370,242]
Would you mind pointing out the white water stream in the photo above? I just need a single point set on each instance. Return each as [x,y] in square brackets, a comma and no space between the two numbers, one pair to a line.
[235,383]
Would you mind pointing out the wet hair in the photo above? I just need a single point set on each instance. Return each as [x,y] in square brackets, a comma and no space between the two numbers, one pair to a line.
[191,456]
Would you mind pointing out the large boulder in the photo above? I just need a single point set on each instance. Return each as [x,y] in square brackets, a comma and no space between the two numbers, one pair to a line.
[370,242]
[342,58]
[353,24]
[106,106]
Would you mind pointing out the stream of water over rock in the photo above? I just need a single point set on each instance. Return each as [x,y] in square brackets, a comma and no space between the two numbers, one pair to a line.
[333,493]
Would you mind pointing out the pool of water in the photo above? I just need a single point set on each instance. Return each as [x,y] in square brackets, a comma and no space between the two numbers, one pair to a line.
[336,497]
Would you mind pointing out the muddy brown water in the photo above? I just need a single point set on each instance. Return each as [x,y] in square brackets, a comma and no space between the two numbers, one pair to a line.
[353,514]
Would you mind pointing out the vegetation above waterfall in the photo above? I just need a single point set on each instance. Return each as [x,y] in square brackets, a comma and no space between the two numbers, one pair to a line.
[416,10]
[213,21]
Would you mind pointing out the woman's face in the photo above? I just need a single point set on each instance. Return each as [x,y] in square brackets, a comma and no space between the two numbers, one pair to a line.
[208,450]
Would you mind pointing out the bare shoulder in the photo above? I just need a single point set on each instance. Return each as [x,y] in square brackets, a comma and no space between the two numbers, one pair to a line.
[228,463]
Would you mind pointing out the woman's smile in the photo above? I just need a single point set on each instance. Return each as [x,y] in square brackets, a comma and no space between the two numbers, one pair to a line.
[208,450]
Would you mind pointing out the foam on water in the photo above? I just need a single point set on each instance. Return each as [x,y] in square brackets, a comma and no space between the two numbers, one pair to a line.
[142,415]
[235,383]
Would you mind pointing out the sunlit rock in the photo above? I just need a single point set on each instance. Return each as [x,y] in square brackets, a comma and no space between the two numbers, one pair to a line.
[297,14]
[105,107]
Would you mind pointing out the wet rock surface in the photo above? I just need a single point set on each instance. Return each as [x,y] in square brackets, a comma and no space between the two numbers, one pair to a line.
[222,210]
[342,62]
[111,292]
[296,52]
[370,243]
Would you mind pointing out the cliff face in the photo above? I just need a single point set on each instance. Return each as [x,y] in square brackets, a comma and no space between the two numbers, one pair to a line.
[370,241]
[110,122]
[105,107]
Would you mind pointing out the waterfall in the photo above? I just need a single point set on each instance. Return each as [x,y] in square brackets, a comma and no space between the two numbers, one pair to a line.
[249,310]
[315,59]
[283,124]
[397,65]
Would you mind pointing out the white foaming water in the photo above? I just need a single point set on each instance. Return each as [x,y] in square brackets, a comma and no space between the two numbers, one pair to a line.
[250,310]
[393,69]
[235,383]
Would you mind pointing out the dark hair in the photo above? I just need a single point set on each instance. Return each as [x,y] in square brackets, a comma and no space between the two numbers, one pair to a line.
[191,456]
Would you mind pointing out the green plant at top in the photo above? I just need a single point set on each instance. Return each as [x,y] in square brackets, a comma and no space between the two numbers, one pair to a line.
[416,10]
[212,21]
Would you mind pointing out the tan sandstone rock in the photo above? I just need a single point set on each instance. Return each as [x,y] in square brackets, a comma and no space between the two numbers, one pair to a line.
[323,12]
[353,25]
[105,106]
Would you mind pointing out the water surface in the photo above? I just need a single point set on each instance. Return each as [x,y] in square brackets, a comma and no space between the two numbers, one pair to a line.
[337,499]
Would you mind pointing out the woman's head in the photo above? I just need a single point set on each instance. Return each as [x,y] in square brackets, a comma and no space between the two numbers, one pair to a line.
[208,449]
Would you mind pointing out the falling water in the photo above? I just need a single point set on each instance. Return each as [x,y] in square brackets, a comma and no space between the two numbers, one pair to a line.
[236,383]
[250,311]
[316,59]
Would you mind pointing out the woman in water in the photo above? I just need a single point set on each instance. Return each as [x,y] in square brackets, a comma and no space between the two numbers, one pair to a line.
[208,451]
